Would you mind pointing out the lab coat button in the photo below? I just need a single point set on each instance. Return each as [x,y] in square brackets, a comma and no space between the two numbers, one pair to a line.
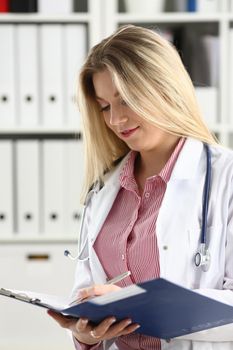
[165,247]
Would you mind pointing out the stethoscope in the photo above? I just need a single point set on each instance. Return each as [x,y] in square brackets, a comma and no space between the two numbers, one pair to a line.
[202,258]
[82,247]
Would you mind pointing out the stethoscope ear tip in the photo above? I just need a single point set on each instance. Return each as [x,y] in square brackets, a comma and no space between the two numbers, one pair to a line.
[69,255]
[66,252]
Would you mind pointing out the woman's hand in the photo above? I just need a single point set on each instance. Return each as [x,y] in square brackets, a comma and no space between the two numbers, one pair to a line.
[87,333]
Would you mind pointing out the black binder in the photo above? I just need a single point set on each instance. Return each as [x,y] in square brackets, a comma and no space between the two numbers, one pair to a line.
[23,5]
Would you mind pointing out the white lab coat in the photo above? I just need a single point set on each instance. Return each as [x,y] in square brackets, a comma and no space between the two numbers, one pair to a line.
[178,235]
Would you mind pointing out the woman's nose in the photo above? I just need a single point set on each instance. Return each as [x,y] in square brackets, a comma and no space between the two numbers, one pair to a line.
[117,116]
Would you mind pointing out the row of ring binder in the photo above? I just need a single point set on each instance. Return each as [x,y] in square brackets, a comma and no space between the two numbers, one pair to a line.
[39,66]
[40,185]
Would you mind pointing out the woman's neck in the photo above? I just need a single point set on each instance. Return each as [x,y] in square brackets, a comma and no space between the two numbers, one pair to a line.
[151,163]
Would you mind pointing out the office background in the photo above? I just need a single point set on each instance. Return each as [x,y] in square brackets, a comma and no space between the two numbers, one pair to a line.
[42,46]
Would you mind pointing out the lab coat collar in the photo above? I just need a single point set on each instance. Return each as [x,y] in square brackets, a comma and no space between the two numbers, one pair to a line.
[185,168]
[187,163]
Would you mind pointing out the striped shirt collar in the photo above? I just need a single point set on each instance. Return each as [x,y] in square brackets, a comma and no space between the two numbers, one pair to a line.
[127,178]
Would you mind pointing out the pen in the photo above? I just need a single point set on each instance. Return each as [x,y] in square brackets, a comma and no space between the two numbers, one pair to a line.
[118,278]
[111,281]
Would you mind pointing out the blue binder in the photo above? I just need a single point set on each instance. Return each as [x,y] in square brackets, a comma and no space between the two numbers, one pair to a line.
[191,6]
[163,309]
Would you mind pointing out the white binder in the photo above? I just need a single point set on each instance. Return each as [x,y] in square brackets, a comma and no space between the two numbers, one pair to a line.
[75,49]
[212,48]
[73,180]
[27,170]
[6,188]
[53,187]
[55,6]
[7,76]
[208,6]
[27,56]
[52,51]
[207,98]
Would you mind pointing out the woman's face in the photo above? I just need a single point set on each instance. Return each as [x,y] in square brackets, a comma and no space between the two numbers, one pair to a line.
[138,134]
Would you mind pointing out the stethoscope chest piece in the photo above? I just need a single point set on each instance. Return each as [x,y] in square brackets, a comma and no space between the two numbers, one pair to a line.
[202,258]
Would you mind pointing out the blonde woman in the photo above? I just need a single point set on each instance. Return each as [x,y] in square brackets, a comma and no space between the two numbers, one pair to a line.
[146,179]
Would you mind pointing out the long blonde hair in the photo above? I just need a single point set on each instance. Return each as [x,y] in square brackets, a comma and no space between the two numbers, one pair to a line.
[150,77]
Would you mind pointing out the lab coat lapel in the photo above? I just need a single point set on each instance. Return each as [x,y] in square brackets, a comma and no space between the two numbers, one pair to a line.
[104,200]
[102,205]
[179,208]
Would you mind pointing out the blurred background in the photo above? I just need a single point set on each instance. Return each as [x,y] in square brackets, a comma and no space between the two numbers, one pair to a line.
[43,44]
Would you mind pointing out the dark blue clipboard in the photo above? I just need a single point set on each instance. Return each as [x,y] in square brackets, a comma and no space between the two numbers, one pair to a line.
[164,310]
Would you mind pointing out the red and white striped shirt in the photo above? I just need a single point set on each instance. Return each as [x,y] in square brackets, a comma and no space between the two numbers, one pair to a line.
[127,240]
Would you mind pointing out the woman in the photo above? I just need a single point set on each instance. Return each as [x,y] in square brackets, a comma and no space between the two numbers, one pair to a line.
[145,155]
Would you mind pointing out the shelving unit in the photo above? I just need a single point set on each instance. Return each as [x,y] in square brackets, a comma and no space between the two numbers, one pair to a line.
[35,260]
[92,20]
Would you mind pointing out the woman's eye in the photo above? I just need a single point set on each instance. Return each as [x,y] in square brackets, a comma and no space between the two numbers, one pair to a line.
[104,108]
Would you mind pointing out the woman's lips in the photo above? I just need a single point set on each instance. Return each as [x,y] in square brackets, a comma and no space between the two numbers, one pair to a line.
[128,132]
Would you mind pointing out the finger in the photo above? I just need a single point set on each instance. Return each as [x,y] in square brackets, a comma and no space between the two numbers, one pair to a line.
[100,330]
[105,288]
[97,290]
[63,321]
[107,329]
[117,328]
[81,325]
[121,328]
[130,329]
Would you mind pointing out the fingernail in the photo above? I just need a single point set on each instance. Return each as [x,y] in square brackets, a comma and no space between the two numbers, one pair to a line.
[128,322]
[138,326]
[94,335]
[112,320]
[84,321]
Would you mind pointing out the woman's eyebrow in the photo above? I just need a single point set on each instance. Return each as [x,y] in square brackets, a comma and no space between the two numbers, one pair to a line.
[116,94]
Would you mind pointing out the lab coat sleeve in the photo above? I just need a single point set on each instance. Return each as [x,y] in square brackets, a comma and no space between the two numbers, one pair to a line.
[222,333]
[83,276]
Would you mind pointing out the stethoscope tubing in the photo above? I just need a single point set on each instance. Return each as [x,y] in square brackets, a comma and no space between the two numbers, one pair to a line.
[206,196]
[202,257]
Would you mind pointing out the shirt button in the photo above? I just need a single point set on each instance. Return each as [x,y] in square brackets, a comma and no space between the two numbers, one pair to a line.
[147,194]
[122,257]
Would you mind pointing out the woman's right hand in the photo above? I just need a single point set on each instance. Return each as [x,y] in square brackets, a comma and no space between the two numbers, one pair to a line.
[88,333]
